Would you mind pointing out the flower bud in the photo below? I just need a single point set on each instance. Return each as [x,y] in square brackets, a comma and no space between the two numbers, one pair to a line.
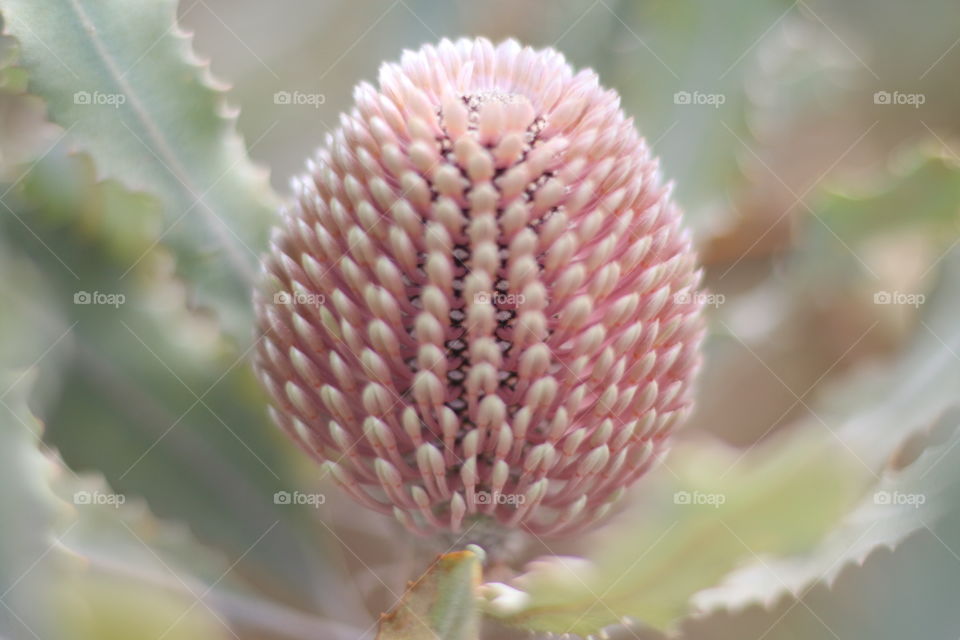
[483,304]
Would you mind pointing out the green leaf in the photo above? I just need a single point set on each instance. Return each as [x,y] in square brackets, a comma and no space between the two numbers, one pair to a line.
[131,376]
[921,192]
[28,506]
[441,604]
[121,78]
[886,232]
[901,420]
[891,572]
[708,509]
[907,592]
[61,191]
[128,375]
[80,562]
[50,587]
[12,79]
[919,489]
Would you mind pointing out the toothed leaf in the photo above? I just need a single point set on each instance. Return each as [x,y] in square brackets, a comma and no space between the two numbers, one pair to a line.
[54,582]
[122,79]
[704,512]
[920,489]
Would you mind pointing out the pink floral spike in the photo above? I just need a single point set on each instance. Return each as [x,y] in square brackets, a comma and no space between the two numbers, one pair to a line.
[483,307]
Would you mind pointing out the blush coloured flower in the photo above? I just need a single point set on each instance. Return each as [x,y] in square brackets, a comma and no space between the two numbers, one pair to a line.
[483,306]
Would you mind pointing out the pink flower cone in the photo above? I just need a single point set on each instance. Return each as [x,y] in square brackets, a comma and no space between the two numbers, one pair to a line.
[483,306]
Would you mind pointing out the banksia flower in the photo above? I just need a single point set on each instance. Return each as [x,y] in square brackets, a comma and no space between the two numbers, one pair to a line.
[482,306]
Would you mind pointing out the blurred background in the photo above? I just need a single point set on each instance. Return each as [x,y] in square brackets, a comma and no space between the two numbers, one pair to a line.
[814,149]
